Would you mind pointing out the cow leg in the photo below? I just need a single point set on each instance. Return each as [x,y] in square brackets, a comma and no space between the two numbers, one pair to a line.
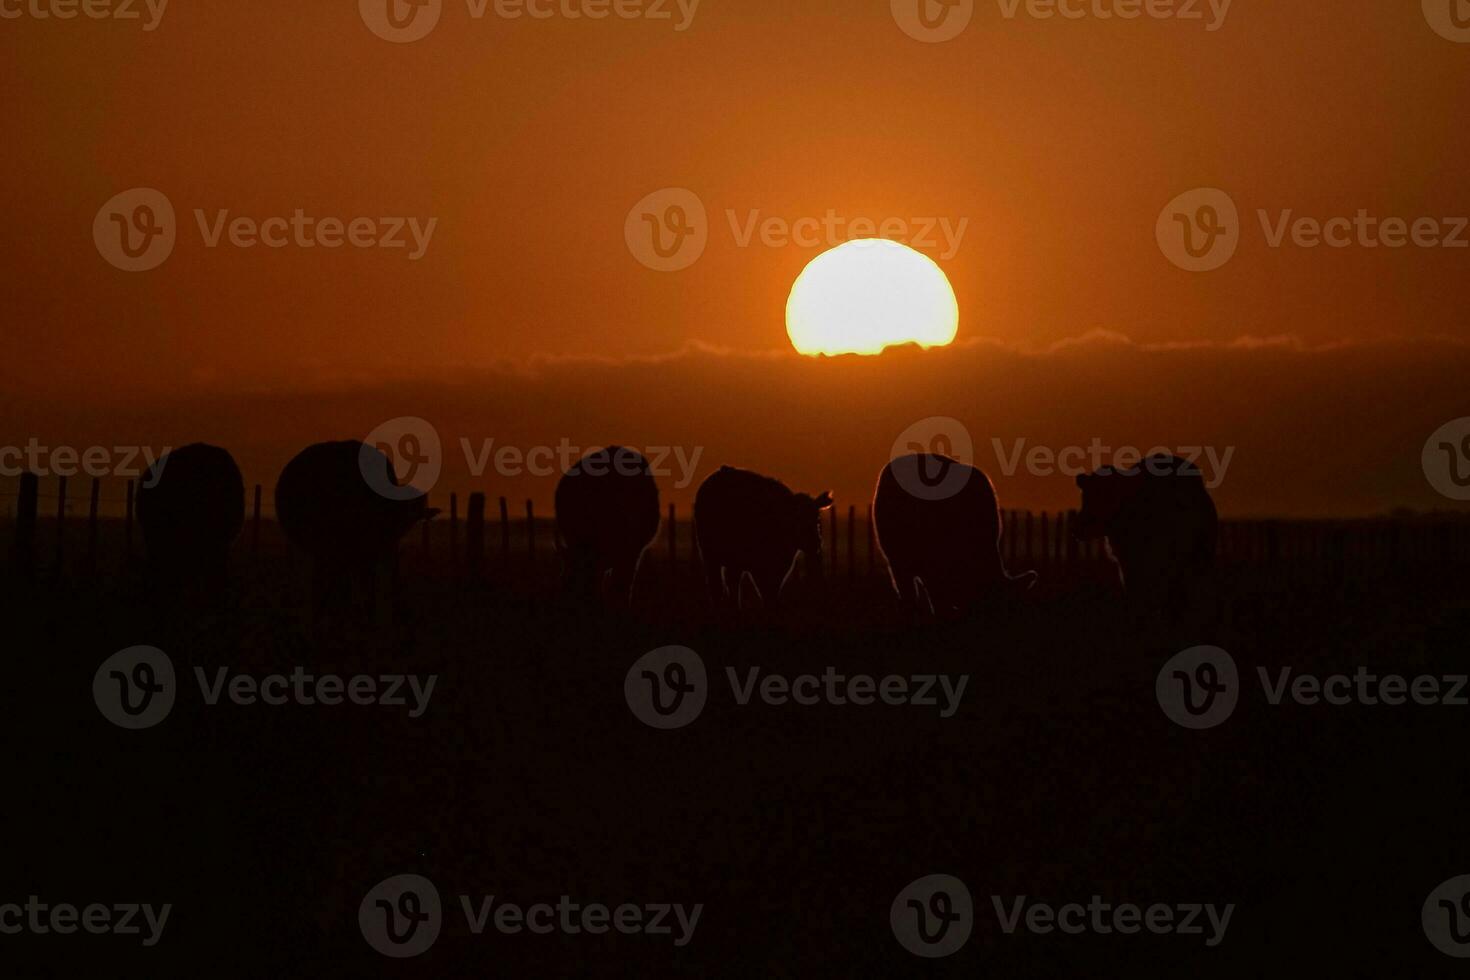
[620,583]
[904,588]
[580,578]
[768,581]
[715,585]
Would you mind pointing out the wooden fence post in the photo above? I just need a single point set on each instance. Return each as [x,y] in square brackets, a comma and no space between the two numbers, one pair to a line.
[25,523]
[834,541]
[872,540]
[92,506]
[60,521]
[504,531]
[454,530]
[128,526]
[255,523]
[851,543]
[531,532]
[475,534]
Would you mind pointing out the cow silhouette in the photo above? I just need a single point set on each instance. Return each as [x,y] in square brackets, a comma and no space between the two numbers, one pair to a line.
[341,503]
[938,525]
[1160,526]
[746,523]
[191,507]
[607,514]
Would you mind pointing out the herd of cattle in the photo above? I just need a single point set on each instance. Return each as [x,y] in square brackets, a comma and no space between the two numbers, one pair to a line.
[936,520]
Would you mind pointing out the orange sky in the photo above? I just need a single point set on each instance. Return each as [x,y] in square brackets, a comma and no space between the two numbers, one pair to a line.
[1057,141]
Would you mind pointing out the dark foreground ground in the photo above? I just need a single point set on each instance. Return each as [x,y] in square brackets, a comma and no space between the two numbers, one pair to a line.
[529,778]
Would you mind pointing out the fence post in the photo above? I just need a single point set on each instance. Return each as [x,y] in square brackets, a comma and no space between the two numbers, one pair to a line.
[454,531]
[128,526]
[475,534]
[851,543]
[531,532]
[872,540]
[255,523]
[834,540]
[92,506]
[504,531]
[25,523]
[60,521]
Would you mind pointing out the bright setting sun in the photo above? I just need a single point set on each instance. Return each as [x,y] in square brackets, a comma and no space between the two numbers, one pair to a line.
[865,295]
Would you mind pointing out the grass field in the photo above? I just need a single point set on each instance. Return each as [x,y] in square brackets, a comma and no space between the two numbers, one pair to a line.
[527,777]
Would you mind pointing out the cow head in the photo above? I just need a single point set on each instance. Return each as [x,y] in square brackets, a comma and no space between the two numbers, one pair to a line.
[806,523]
[1106,492]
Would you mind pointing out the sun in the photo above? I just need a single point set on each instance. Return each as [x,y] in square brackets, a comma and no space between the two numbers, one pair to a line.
[868,294]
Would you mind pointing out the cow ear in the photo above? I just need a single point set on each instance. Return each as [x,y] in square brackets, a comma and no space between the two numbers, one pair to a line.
[825,500]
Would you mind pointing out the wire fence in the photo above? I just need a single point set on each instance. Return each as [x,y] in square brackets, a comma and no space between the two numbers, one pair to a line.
[70,528]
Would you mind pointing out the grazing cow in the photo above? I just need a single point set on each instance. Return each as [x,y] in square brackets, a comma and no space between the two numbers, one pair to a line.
[1160,525]
[947,543]
[191,508]
[606,516]
[748,523]
[342,504]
